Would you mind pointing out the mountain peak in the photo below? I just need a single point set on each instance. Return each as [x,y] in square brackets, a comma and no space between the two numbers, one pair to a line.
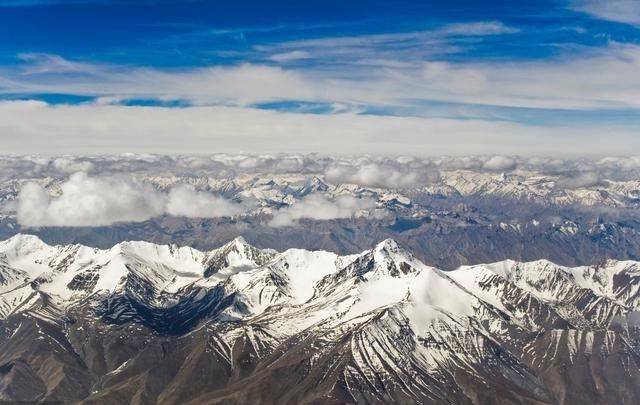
[237,243]
[390,250]
[24,238]
[234,253]
[388,258]
[22,243]
[240,240]
[382,306]
[318,184]
[389,245]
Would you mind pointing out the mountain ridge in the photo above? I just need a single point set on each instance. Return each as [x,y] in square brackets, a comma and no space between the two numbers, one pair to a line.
[307,326]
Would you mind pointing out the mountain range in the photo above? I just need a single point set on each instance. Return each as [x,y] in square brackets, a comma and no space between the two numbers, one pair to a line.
[147,323]
[464,217]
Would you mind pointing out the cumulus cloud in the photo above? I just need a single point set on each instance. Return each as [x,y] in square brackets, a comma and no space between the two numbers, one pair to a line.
[373,171]
[381,175]
[623,163]
[500,163]
[99,201]
[319,207]
[88,201]
[71,165]
[580,180]
[185,201]
[459,162]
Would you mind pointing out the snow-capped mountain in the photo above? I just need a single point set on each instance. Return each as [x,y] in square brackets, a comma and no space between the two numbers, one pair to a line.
[536,187]
[283,189]
[146,323]
[456,218]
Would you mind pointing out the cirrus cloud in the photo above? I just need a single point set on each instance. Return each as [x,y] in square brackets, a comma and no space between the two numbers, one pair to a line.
[624,11]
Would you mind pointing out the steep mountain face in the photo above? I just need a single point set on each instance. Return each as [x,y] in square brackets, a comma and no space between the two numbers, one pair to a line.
[144,323]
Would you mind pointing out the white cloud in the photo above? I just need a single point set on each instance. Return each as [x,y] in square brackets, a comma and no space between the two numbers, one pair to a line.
[290,56]
[460,162]
[319,207]
[238,85]
[557,83]
[580,180]
[98,201]
[29,126]
[566,81]
[185,201]
[387,47]
[626,163]
[480,28]
[88,201]
[500,163]
[380,175]
[40,63]
[624,11]
[71,165]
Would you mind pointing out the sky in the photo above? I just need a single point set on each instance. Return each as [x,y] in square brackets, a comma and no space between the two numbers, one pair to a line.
[381,77]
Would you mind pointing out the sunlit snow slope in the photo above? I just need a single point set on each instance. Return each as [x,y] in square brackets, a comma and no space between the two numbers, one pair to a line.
[148,323]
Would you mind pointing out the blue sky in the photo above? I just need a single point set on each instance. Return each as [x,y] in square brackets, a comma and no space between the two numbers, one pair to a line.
[532,69]
[196,33]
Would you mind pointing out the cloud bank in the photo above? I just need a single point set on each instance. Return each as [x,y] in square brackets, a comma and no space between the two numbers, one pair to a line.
[29,126]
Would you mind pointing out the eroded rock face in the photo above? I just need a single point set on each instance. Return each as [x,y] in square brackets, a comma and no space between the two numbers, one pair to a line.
[144,323]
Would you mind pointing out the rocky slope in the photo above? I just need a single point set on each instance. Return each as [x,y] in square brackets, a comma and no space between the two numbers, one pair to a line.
[144,323]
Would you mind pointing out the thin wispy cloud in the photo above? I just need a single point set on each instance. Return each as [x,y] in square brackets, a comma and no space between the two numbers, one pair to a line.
[570,82]
[410,46]
[290,56]
[41,63]
[623,11]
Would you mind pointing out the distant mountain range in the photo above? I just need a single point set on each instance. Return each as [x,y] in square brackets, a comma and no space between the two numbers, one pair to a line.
[147,323]
[278,189]
[463,217]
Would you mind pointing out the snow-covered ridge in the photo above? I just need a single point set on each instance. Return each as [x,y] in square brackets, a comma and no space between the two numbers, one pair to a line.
[381,314]
[267,192]
[318,284]
[271,189]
